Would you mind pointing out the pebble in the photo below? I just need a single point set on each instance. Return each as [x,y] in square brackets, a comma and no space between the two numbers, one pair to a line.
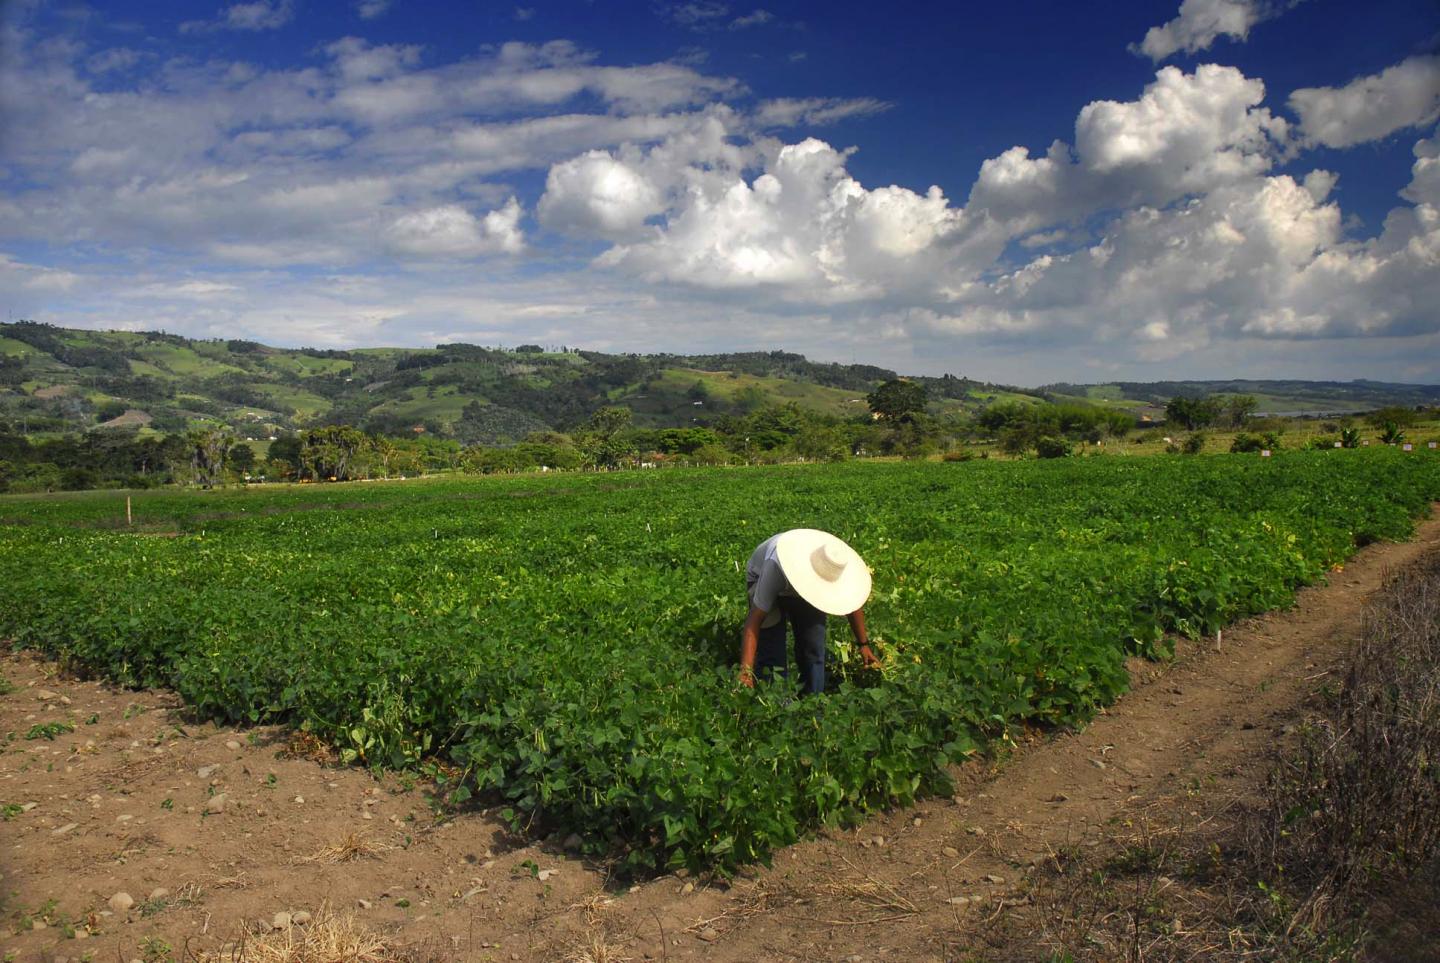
[63,829]
[299,799]
[958,900]
[687,889]
[280,921]
[951,852]
[28,806]
[300,918]
[363,903]
[975,830]
[997,880]
[45,695]
[573,842]
[916,821]
[121,902]
[204,772]
[232,745]
[709,934]
[158,893]
[216,803]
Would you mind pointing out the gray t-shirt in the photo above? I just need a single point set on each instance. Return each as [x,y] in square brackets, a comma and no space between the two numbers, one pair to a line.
[765,581]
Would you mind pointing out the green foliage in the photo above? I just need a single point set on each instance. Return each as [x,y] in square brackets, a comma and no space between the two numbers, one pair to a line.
[568,643]
[1193,413]
[1194,444]
[897,399]
[1048,447]
[1391,433]
[48,730]
[1244,442]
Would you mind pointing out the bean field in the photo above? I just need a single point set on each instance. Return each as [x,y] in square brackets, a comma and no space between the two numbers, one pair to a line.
[565,646]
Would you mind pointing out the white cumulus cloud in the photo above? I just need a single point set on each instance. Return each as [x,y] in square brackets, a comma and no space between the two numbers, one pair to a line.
[598,194]
[1187,133]
[1201,22]
[1369,108]
[451,231]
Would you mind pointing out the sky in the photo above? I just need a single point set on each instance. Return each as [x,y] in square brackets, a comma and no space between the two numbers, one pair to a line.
[1024,192]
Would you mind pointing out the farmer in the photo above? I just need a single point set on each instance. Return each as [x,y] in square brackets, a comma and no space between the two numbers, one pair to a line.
[802,576]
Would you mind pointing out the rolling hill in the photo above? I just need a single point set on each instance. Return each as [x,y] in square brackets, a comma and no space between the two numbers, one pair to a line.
[55,380]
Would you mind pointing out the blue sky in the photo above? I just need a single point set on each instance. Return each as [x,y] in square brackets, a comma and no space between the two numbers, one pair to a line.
[1026,192]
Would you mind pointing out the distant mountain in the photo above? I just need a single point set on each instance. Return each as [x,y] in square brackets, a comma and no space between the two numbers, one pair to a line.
[55,379]
[1273,397]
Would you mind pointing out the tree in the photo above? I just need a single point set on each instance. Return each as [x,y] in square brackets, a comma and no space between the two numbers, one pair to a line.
[241,458]
[286,449]
[1192,413]
[601,440]
[1239,408]
[897,399]
[208,448]
[334,452]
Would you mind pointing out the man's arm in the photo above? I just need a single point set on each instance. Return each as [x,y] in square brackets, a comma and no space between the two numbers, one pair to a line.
[857,626]
[749,642]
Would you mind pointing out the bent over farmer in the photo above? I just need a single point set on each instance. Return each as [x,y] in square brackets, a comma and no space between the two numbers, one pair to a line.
[800,576]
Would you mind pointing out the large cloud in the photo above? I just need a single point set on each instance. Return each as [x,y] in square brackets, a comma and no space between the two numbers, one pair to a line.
[1187,133]
[328,164]
[1368,108]
[803,227]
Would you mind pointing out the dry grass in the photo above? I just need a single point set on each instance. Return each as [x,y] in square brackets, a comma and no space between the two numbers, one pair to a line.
[595,948]
[353,846]
[857,887]
[1359,802]
[1304,866]
[329,938]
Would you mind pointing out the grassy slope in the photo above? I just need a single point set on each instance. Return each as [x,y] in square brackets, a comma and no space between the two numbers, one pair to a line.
[295,388]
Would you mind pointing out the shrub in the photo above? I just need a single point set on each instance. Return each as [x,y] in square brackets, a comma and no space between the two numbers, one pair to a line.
[1052,448]
[1194,444]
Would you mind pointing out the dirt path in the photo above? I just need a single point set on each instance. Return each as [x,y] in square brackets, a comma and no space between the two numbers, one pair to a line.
[209,831]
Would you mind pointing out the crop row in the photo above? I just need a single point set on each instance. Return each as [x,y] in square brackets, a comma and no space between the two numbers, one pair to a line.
[570,643]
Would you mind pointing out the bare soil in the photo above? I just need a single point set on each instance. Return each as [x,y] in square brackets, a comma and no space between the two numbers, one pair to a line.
[213,831]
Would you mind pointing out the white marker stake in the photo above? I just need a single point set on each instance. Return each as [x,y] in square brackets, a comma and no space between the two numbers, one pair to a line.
[1265,453]
[1337,444]
[1407,447]
[1432,444]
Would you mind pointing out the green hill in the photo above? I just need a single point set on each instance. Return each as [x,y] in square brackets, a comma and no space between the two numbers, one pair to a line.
[55,380]
[1275,397]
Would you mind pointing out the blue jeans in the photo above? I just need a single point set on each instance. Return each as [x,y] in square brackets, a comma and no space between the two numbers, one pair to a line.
[808,624]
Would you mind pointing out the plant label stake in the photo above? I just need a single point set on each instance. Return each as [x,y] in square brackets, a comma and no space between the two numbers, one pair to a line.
[1265,453]
[129,520]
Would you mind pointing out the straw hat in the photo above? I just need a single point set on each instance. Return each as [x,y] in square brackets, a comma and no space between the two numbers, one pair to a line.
[823,570]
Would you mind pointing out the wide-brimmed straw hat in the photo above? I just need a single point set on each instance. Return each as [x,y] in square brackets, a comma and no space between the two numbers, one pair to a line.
[823,570]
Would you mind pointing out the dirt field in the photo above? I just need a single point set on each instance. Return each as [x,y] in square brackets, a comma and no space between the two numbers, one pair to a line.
[135,835]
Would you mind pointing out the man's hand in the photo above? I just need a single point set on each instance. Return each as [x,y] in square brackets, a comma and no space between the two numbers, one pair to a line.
[747,677]
[868,656]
